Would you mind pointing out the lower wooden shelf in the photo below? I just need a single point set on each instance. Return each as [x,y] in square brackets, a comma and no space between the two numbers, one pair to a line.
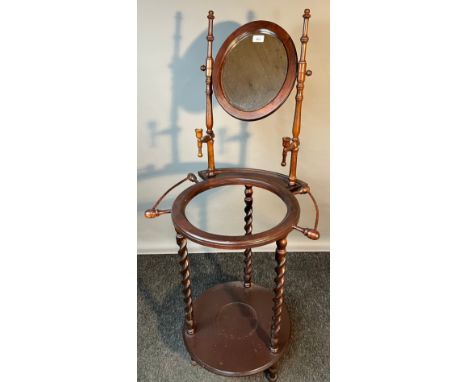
[232,330]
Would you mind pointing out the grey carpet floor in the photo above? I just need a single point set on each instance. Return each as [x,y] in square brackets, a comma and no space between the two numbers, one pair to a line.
[161,352]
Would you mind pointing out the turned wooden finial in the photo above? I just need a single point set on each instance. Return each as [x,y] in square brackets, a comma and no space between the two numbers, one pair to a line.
[211,15]
[306,14]
[151,214]
[154,213]
[312,234]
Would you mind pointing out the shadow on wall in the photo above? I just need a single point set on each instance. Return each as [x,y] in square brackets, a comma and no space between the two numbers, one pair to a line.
[188,94]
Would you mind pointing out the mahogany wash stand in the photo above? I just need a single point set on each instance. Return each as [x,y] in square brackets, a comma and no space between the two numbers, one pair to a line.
[239,328]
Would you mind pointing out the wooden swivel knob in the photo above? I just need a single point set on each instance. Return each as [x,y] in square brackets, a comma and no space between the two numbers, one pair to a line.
[309,73]
[203,68]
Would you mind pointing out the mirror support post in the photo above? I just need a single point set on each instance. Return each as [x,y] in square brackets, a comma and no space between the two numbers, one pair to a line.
[301,73]
[209,92]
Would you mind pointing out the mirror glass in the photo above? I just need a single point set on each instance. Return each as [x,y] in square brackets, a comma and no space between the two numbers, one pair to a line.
[254,71]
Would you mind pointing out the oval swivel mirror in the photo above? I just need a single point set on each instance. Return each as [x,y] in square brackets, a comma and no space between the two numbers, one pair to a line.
[255,70]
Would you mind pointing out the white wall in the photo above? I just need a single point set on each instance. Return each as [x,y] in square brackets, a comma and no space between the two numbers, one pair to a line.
[171,104]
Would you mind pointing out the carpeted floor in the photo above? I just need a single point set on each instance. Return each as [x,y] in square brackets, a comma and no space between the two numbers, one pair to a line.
[161,352]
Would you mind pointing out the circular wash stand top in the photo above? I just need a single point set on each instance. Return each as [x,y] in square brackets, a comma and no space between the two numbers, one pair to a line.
[270,181]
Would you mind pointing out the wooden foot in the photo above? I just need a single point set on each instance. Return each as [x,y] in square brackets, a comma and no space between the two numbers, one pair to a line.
[271,374]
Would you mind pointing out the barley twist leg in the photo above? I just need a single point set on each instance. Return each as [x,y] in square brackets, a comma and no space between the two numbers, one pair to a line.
[280,256]
[186,284]
[248,231]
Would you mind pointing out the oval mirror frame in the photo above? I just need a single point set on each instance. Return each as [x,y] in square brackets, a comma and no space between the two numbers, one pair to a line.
[255,27]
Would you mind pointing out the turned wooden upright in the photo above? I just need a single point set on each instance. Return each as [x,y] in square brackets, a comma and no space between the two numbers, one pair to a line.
[208,68]
[292,144]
